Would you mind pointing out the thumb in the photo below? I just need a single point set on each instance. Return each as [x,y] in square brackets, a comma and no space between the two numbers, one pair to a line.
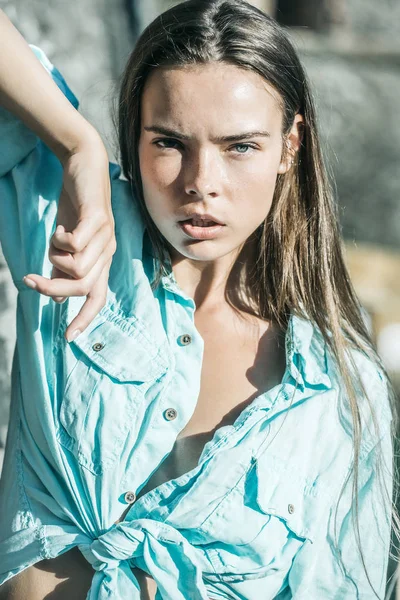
[60,229]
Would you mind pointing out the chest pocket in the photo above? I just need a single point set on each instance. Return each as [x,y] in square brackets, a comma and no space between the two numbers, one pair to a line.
[101,379]
[260,526]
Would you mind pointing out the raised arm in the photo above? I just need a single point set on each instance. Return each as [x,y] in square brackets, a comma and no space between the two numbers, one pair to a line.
[27,91]
[83,246]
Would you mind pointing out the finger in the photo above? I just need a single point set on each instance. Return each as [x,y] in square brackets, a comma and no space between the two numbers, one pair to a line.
[95,301]
[55,273]
[64,286]
[79,264]
[79,238]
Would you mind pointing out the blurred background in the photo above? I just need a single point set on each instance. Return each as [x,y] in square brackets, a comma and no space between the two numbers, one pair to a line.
[351,49]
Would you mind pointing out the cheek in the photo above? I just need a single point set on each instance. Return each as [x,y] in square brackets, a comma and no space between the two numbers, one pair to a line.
[259,177]
[158,173]
[257,186]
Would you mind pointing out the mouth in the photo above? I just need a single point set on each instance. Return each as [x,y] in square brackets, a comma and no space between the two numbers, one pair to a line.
[201,229]
[199,220]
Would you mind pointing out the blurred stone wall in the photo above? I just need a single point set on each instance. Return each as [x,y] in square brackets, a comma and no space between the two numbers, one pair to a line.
[357,83]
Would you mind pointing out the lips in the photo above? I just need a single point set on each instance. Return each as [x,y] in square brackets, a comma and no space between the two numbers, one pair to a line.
[201,232]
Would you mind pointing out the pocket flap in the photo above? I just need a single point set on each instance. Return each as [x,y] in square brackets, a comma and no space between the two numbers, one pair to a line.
[116,345]
[288,496]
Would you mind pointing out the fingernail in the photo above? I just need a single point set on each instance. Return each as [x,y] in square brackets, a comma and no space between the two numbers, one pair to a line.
[59,229]
[30,283]
[74,335]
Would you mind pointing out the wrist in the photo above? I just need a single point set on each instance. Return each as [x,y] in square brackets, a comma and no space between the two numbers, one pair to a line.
[87,138]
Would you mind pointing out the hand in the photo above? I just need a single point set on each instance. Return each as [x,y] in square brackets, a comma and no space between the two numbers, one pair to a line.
[83,244]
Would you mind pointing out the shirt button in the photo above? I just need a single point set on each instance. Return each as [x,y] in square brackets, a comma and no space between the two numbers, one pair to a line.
[130,497]
[170,414]
[290,508]
[185,339]
[97,346]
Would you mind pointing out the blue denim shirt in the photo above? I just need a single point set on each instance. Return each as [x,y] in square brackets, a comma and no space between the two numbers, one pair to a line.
[91,421]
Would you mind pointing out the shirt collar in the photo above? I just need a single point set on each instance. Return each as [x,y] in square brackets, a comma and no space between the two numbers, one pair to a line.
[306,354]
[168,280]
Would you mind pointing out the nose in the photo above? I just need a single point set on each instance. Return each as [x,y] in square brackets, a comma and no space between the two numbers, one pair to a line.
[202,175]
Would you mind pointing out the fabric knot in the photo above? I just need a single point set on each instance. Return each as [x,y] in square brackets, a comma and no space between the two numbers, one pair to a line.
[117,544]
[158,548]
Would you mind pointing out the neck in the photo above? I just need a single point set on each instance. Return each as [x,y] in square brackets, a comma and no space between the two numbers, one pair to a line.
[209,283]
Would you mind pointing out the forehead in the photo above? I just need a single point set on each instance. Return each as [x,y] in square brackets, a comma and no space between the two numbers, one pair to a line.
[214,94]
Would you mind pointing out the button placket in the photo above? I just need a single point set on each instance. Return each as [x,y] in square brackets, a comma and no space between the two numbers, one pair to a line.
[170,414]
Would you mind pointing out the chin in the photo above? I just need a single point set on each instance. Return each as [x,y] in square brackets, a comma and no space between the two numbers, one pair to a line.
[200,250]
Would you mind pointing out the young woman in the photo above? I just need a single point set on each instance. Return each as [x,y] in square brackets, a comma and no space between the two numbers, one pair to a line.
[220,426]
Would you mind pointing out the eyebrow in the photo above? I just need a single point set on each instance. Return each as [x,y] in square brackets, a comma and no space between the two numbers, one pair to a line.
[220,139]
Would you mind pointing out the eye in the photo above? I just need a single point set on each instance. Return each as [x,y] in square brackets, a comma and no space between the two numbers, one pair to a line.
[244,148]
[166,143]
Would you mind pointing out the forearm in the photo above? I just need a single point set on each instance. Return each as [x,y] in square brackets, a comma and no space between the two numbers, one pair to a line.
[27,91]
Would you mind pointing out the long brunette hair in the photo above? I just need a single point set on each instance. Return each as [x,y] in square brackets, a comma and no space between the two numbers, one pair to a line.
[300,267]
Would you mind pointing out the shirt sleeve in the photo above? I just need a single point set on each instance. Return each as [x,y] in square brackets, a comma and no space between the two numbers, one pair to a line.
[316,571]
[30,184]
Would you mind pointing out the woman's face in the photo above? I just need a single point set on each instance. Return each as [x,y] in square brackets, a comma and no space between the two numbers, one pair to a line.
[210,143]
